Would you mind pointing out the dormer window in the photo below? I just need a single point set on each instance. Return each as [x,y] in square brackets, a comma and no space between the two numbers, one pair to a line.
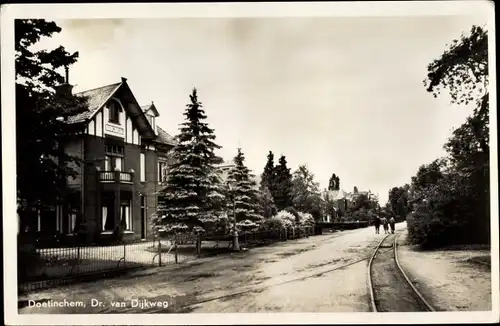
[151,120]
[114,112]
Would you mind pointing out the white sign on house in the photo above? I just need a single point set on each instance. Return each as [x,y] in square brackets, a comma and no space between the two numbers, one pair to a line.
[114,130]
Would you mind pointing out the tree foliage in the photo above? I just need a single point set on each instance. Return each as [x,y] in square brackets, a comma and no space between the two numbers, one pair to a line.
[282,195]
[243,194]
[399,205]
[42,107]
[462,68]
[266,202]
[192,197]
[267,188]
[450,196]
[268,177]
[306,196]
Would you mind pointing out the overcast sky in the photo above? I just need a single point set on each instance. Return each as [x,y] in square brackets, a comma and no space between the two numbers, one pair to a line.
[342,95]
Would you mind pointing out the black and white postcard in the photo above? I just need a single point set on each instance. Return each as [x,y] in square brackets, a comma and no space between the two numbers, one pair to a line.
[250,163]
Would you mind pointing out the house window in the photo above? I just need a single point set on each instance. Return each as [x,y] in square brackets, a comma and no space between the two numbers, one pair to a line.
[114,158]
[143,217]
[143,167]
[71,223]
[114,149]
[114,112]
[113,163]
[162,171]
[38,220]
[59,218]
[104,217]
[126,215]
[108,214]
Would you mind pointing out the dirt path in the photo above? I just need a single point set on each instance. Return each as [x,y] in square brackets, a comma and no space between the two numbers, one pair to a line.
[451,280]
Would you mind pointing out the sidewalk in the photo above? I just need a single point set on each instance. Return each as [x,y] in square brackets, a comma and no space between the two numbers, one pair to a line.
[450,279]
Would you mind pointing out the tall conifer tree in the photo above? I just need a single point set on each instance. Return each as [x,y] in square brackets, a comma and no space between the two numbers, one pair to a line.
[244,194]
[283,192]
[191,198]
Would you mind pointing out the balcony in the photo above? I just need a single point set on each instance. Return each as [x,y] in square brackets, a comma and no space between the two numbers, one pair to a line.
[116,177]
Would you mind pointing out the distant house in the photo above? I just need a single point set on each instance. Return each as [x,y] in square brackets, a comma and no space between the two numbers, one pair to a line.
[341,202]
[124,155]
[226,166]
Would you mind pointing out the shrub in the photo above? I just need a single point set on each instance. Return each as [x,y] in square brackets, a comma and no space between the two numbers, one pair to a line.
[292,210]
[286,218]
[306,219]
[271,224]
[428,229]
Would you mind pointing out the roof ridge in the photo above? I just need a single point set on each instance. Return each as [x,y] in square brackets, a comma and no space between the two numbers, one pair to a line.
[95,88]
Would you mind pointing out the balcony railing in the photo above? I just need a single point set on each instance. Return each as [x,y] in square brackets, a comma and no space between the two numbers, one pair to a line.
[116,176]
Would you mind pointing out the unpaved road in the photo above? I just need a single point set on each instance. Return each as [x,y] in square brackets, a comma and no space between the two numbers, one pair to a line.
[326,273]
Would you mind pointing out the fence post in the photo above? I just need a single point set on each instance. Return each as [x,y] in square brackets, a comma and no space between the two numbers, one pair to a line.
[159,252]
[78,260]
[175,252]
[124,254]
[198,245]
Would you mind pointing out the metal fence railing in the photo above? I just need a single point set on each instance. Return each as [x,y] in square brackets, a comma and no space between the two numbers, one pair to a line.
[45,267]
[38,268]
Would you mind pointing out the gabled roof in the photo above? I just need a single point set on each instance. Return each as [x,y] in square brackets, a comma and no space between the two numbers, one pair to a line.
[164,137]
[150,107]
[336,194]
[96,98]
[225,164]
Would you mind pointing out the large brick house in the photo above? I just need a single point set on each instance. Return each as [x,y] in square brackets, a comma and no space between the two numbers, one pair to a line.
[124,155]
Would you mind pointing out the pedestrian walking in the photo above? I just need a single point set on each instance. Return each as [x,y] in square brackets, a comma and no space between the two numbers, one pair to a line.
[392,223]
[376,222]
[384,224]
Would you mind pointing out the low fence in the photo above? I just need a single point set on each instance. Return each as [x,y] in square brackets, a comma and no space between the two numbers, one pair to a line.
[252,238]
[344,225]
[44,267]
[39,268]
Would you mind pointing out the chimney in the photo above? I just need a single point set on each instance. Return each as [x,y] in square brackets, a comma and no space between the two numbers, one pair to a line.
[66,69]
[65,89]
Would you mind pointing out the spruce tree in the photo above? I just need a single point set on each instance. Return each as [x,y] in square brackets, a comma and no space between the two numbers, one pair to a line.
[191,198]
[244,199]
[283,192]
[268,177]
[267,188]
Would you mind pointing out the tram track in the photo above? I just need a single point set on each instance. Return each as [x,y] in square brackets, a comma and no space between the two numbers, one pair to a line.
[390,288]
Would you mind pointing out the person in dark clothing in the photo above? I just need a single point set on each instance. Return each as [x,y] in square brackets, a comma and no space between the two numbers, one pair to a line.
[385,225]
[392,223]
[377,224]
